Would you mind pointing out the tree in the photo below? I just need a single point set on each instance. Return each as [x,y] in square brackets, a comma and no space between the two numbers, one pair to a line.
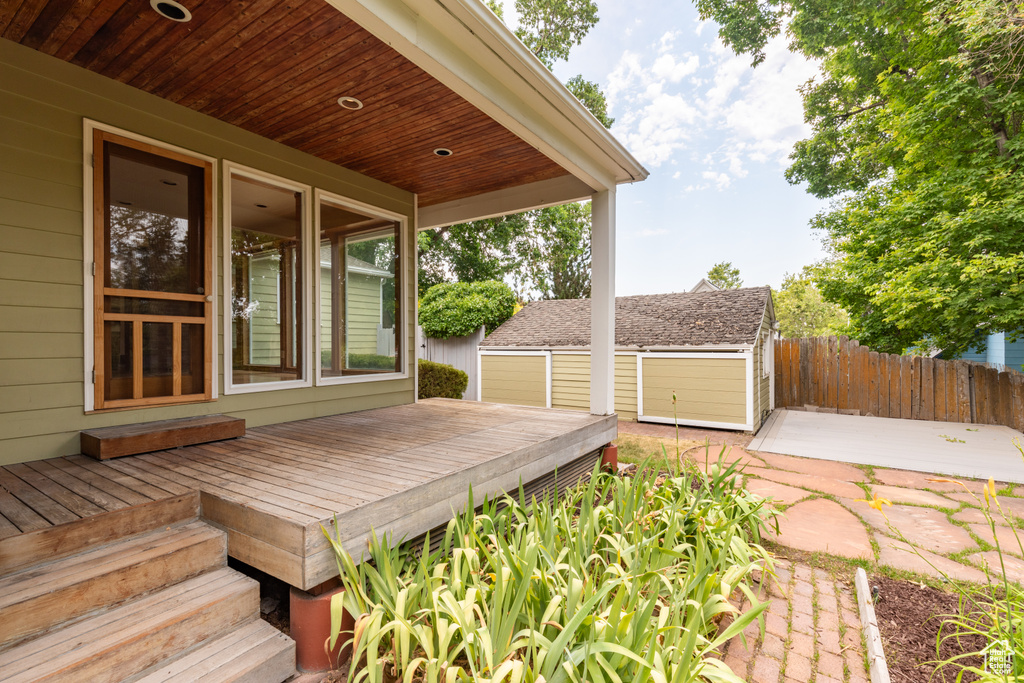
[802,312]
[546,252]
[725,276]
[916,136]
[455,309]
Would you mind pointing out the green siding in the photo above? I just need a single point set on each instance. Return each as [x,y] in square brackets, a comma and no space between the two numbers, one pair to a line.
[707,389]
[43,101]
[518,380]
[363,317]
[570,383]
[264,328]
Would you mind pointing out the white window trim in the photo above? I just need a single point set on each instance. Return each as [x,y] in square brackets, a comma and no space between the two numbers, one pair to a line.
[319,196]
[309,254]
[89,268]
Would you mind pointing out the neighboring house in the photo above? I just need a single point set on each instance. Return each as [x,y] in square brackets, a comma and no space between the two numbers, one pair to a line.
[705,285]
[999,353]
[712,349]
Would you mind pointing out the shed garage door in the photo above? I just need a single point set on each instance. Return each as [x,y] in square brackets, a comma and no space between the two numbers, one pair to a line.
[517,379]
[711,390]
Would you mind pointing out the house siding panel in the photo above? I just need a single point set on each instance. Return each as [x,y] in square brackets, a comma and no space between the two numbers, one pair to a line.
[570,383]
[518,380]
[44,101]
[707,389]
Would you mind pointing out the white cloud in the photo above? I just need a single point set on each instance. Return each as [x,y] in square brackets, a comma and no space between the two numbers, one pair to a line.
[711,106]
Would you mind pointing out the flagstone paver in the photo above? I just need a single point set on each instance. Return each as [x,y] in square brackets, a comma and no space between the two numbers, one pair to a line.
[700,455]
[842,489]
[899,555]
[914,480]
[1014,566]
[825,526]
[787,495]
[976,516]
[828,645]
[928,527]
[898,494]
[821,468]
[1007,538]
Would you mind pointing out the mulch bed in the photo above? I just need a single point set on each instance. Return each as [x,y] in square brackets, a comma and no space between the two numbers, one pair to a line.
[909,618]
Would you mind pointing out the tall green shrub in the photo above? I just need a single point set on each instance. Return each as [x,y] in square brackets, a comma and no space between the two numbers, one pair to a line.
[455,309]
[438,380]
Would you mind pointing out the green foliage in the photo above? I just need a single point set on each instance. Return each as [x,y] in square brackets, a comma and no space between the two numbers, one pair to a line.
[725,276]
[370,361]
[590,95]
[550,28]
[455,309]
[802,312]
[438,380]
[916,123]
[490,249]
[624,579]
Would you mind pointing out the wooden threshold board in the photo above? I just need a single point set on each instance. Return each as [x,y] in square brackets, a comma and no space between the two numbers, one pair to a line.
[147,437]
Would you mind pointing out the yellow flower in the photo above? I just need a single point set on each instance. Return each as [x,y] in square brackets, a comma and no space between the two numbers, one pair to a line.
[875,502]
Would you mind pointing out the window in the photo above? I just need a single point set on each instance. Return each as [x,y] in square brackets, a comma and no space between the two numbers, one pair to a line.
[358,291]
[267,264]
[152,310]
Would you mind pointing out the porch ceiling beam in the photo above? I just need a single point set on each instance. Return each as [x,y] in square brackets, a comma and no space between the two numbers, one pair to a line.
[464,46]
[501,202]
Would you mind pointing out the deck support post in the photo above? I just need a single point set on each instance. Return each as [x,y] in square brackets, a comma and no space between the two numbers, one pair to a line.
[602,303]
[310,622]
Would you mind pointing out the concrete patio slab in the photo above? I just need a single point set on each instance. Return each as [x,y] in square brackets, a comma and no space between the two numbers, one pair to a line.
[965,450]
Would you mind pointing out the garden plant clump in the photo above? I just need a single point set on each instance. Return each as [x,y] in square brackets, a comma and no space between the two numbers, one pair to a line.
[623,579]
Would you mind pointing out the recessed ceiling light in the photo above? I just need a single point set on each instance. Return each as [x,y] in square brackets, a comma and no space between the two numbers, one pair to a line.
[172,10]
[261,206]
[443,152]
[350,103]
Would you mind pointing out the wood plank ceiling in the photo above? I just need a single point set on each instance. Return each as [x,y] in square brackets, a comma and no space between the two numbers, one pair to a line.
[277,68]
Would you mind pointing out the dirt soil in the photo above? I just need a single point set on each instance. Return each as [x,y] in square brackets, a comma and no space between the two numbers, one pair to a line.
[909,619]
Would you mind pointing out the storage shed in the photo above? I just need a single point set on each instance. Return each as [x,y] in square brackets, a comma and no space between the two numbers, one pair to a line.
[713,349]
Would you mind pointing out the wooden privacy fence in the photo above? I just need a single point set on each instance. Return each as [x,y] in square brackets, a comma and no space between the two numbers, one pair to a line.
[837,374]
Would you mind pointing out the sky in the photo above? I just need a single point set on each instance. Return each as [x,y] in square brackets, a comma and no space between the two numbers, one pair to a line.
[715,136]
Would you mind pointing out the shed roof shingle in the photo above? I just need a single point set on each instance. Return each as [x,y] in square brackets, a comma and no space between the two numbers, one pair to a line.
[728,316]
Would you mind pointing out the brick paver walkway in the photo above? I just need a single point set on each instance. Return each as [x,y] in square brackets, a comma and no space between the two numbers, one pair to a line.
[812,632]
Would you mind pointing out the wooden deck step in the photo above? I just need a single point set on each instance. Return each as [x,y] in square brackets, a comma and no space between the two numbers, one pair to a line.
[44,595]
[147,437]
[254,653]
[130,639]
[50,543]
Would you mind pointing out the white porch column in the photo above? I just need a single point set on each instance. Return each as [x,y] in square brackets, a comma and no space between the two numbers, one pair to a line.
[602,303]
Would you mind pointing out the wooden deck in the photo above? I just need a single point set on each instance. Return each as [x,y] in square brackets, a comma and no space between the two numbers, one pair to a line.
[401,469]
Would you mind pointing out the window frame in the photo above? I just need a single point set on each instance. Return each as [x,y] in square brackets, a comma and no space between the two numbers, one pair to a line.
[320,196]
[93,193]
[230,169]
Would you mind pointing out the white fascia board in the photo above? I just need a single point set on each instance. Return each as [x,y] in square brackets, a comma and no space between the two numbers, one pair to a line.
[538,195]
[723,348]
[465,47]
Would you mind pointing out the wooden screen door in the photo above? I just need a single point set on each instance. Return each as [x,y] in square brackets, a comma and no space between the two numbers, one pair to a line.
[153,308]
